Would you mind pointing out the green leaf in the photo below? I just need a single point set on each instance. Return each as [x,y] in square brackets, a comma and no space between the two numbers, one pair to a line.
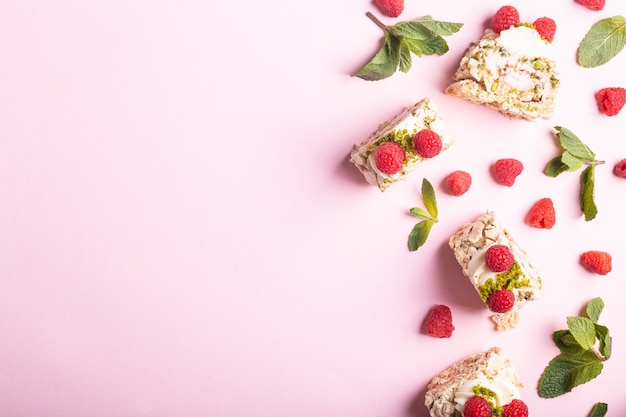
[433,46]
[585,367]
[572,162]
[565,372]
[384,63]
[566,343]
[412,30]
[421,214]
[405,57]
[587,203]
[437,27]
[555,167]
[422,36]
[419,234]
[414,46]
[604,40]
[583,330]
[602,333]
[599,410]
[430,200]
[572,144]
[594,309]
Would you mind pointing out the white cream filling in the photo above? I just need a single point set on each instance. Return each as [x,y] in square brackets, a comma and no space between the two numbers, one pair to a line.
[413,123]
[480,273]
[524,41]
[504,391]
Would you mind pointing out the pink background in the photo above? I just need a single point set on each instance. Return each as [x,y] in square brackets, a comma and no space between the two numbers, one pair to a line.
[182,234]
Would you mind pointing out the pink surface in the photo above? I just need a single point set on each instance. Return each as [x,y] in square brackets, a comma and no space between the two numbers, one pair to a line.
[182,234]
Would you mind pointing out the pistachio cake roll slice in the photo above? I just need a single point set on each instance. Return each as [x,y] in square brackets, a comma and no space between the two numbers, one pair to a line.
[498,267]
[513,72]
[488,375]
[401,144]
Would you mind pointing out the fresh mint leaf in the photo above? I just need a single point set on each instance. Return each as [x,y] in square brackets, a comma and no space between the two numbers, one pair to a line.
[575,155]
[420,213]
[566,343]
[583,330]
[414,46]
[578,362]
[424,28]
[594,309]
[421,230]
[405,57]
[572,144]
[599,410]
[437,27]
[419,234]
[604,40]
[584,368]
[384,63]
[411,30]
[422,36]
[566,372]
[587,202]
[429,198]
[571,162]
[555,167]
[602,333]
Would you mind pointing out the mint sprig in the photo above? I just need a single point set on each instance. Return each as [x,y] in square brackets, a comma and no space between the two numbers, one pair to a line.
[421,36]
[604,40]
[599,410]
[429,216]
[584,346]
[576,155]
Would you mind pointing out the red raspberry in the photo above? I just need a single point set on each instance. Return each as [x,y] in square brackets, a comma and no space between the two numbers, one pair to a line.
[389,158]
[516,408]
[477,407]
[541,214]
[594,5]
[546,28]
[499,258]
[505,17]
[439,322]
[391,8]
[620,169]
[458,182]
[596,261]
[427,143]
[611,100]
[507,170]
[501,301]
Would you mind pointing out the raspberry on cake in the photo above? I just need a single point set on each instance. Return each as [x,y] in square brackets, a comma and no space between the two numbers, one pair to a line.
[546,28]
[474,386]
[511,68]
[427,143]
[504,18]
[498,267]
[516,408]
[401,144]
[389,158]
